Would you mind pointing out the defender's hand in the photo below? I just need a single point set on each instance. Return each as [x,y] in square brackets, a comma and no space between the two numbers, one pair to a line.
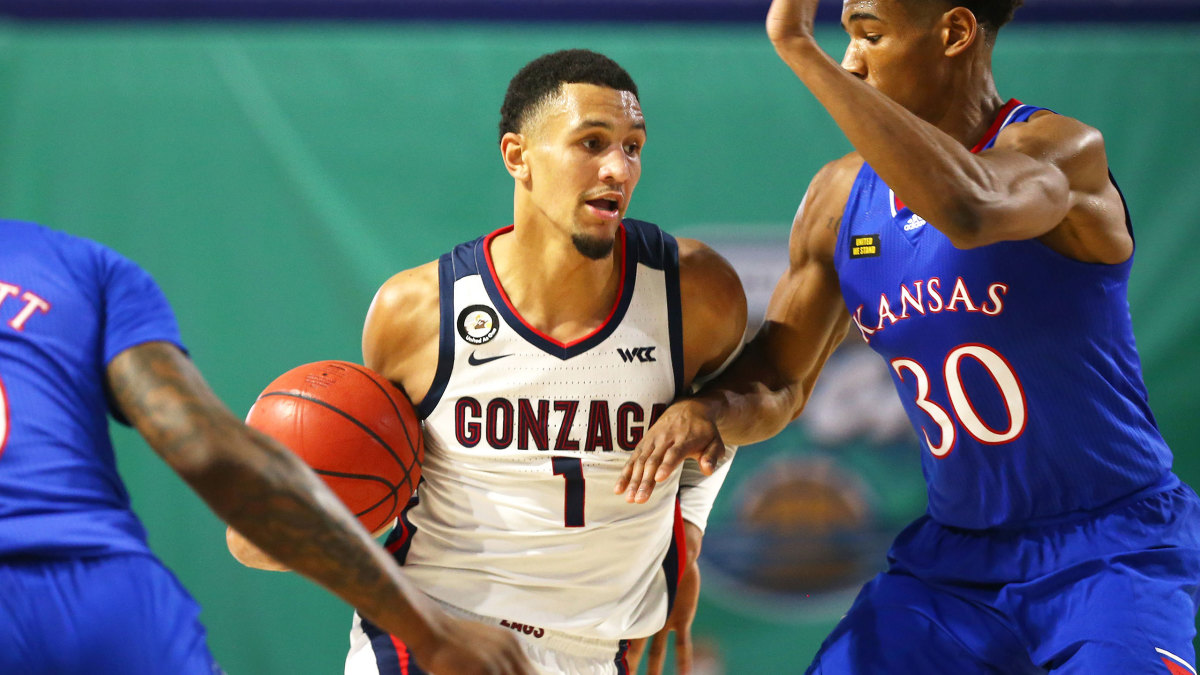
[684,430]
[471,648]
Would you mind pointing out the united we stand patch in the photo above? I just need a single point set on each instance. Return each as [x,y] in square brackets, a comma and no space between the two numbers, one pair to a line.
[864,246]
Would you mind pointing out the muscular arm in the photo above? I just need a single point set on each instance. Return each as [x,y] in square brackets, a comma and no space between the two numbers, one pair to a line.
[1047,177]
[767,386]
[269,495]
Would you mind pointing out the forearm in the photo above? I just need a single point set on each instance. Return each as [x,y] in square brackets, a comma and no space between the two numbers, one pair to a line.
[291,517]
[748,414]
[263,490]
[889,137]
[752,400]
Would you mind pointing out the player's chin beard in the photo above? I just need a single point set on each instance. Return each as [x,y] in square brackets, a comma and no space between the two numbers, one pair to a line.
[592,247]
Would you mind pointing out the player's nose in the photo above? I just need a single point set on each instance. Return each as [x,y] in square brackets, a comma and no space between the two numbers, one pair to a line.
[853,62]
[615,167]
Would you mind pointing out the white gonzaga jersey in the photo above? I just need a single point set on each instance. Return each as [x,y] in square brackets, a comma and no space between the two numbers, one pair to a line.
[515,517]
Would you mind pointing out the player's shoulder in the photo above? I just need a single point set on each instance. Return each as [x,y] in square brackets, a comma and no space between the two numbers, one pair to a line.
[404,317]
[828,192]
[84,259]
[414,283]
[709,284]
[838,176]
[407,299]
[31,234]
[1060,138]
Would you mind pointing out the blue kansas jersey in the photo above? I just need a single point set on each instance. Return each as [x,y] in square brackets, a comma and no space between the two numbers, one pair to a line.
[67,307]
[1016,365]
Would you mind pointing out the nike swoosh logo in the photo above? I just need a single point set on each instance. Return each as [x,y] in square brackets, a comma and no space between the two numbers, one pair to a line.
[479,362]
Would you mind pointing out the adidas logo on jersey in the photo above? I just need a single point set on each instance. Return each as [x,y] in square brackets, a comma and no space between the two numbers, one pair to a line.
[914,221]
[639,354]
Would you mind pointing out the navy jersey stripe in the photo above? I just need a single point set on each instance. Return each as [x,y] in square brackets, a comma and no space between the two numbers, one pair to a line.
[676,555]
[535,337]
[400,538]
[622,659]
[391,655]
[446,272]
[670,267]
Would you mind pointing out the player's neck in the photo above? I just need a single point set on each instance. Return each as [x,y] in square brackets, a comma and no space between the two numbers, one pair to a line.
[552,286]
[971,106]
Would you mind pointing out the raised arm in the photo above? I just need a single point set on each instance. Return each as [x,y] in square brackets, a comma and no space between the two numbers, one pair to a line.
[768,385]
[269,495]
[1047,177]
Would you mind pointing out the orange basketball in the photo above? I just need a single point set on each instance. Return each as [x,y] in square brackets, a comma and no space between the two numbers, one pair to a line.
[354,428]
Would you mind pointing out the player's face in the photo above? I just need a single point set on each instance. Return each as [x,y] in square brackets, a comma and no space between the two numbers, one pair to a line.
[585,159]
[898,51]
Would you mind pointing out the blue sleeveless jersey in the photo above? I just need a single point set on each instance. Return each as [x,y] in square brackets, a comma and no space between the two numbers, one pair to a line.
[67,307]
[1016,365]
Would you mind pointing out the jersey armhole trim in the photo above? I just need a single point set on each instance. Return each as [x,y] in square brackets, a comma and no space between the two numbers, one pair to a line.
[445,336]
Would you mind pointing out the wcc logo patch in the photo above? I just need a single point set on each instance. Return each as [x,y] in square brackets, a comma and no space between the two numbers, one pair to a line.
[864,246]
[478,324]
[638,354]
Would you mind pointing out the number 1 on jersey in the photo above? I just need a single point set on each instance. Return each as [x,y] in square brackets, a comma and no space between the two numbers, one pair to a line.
[571,469]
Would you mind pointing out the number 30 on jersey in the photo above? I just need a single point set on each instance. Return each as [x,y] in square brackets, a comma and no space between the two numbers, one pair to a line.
[1003,377]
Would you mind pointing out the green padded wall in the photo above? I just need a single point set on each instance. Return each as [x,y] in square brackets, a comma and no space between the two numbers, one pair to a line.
[271,177]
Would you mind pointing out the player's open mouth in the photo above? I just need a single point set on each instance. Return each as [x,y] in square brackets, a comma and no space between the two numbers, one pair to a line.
[605,208]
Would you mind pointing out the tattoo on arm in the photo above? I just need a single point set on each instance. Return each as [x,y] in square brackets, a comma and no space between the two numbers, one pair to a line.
[250,481]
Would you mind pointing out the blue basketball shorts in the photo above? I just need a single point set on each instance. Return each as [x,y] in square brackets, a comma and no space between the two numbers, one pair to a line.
[1115,592]
[107,615]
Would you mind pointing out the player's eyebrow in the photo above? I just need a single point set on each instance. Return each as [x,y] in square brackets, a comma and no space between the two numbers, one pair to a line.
[858,16]
[603,124]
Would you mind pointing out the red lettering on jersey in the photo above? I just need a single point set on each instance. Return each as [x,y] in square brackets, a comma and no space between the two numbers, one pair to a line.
[994,292]
[928,299]
[961,295]
[866,332]
[629,428]
[885,312]
[935,285]
[33,303]
[599,433]
[907,300]
[563,440]
[531,424]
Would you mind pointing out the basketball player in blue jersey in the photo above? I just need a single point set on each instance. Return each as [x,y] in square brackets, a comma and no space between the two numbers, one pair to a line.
[537,356]
[85,332]
[982,248]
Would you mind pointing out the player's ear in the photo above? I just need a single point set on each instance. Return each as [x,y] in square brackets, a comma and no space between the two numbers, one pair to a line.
[960,30]
[512,149]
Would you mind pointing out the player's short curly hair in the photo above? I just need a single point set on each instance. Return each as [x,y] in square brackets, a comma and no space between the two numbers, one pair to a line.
[544,76]
[991,14]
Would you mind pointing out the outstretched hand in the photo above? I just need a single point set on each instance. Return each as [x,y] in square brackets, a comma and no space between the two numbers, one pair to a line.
[684,430]
[789,19]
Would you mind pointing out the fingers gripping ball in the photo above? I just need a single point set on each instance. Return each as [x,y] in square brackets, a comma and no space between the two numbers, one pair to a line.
[358,431]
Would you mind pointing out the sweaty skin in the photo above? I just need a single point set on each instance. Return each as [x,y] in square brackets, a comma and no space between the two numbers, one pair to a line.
[913,90]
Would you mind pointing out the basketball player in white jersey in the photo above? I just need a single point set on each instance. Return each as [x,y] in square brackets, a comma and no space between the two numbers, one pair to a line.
[537,356]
